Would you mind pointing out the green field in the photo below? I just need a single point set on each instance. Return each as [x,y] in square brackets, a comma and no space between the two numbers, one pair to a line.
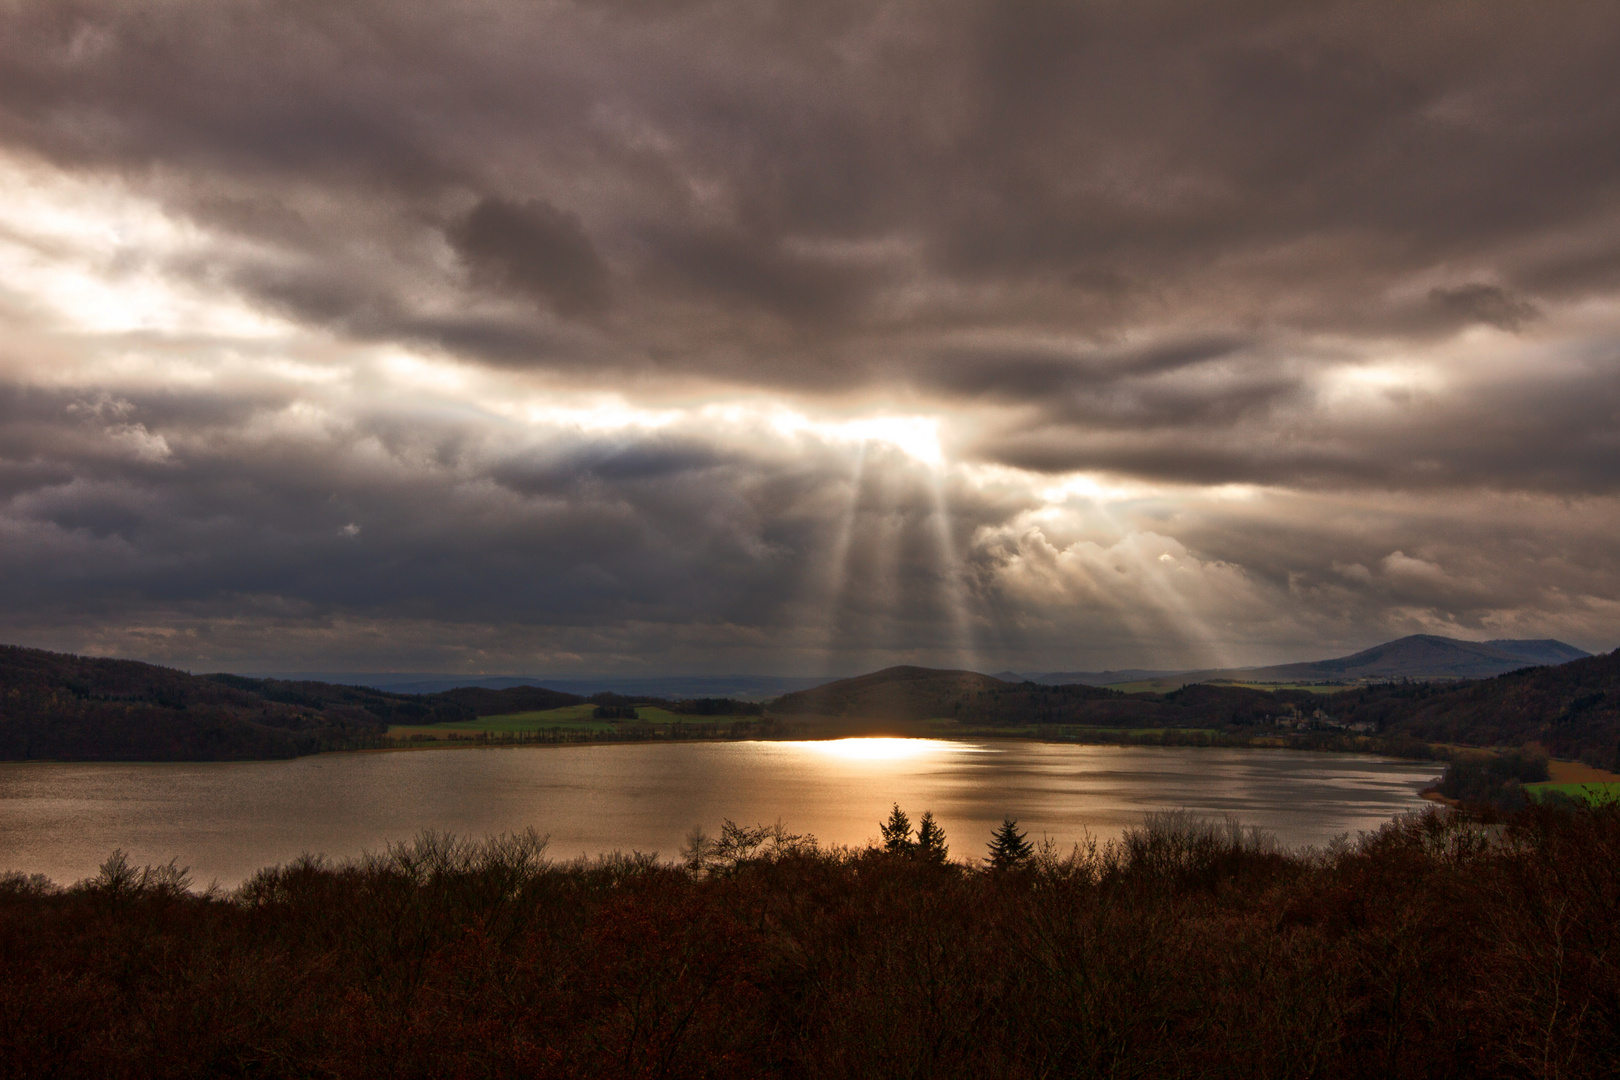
[567,718]
[1598,794]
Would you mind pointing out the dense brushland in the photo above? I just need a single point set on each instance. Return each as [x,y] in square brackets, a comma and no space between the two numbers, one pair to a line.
[1442,946]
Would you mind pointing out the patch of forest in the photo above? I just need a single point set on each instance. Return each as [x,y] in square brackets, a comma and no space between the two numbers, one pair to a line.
[56,706]
[1444,945]
[62,707]
[1572,710]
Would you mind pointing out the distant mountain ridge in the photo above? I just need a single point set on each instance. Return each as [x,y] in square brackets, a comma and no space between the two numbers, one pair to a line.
[1417,656]
[1421,656]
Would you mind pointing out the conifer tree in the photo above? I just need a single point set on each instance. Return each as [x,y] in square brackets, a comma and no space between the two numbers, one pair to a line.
[897,832]
[1008,848]
[931,839]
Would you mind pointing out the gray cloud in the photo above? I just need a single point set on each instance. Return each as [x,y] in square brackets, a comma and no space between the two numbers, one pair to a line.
[1337,251]
[535,249]
[1488,304]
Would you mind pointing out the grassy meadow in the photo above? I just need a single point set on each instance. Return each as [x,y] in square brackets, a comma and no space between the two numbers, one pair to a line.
[569,719]
[1593,794]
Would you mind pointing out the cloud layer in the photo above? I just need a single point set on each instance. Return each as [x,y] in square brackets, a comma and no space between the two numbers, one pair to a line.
[778,337]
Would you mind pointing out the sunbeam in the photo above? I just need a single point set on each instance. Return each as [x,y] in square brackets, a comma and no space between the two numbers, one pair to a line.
[837,590]
[953,593]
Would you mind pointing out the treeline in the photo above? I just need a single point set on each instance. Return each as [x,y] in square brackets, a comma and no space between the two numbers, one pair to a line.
[752,728]
[611,706]
[1442,946]
[1494,780]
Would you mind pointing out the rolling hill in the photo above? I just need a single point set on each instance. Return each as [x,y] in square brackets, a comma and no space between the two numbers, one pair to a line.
[1571,709]
[1426,656]
[915,693]
[64,707]
[57,706]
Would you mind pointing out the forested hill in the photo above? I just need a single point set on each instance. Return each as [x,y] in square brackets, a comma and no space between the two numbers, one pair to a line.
[57,706]
[919,693]
[1571,709]
[63,707]
[915,693]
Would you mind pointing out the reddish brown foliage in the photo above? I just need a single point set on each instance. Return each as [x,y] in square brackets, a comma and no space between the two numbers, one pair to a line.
[1444,946]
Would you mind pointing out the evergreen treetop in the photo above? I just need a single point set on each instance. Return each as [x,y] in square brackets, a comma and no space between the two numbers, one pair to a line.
[1008,847]
[931,839]
[897,832]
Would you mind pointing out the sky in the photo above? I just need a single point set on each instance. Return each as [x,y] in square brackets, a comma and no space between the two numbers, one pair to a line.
[524,336]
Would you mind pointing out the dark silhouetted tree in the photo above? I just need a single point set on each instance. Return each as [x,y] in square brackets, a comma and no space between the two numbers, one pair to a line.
[897,832]
[1008,848]
[931,839]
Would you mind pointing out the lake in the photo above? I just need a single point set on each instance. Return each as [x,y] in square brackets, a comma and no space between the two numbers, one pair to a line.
[227,819]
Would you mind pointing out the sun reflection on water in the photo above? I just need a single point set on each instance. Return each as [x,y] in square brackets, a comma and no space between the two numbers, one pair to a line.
[881,748]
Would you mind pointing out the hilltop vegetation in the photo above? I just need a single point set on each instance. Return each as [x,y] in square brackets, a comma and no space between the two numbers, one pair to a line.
[913,693]
[1442,946]
[64,707]
[916,693]
[1573,710]
[57,706]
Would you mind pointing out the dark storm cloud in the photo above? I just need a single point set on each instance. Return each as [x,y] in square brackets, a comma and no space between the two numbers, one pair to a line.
[413,537]
[535,249]
[1327,248]
[1087,167]
[608,546]
[1488,304]
[1540,431]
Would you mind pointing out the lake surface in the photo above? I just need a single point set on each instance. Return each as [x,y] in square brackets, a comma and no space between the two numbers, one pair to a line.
[227,819]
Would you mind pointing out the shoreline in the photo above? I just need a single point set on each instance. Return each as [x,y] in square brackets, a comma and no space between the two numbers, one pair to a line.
[1130,738]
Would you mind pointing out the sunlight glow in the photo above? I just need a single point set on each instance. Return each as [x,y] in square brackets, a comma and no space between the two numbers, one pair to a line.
[915,436]
[600,415]
[1380,383]
[877,748]
[101,260]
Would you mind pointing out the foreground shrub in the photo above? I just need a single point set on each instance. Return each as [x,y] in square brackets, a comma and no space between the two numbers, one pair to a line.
[1446,944]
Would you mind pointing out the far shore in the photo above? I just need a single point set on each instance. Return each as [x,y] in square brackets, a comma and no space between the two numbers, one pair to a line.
[800,728]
